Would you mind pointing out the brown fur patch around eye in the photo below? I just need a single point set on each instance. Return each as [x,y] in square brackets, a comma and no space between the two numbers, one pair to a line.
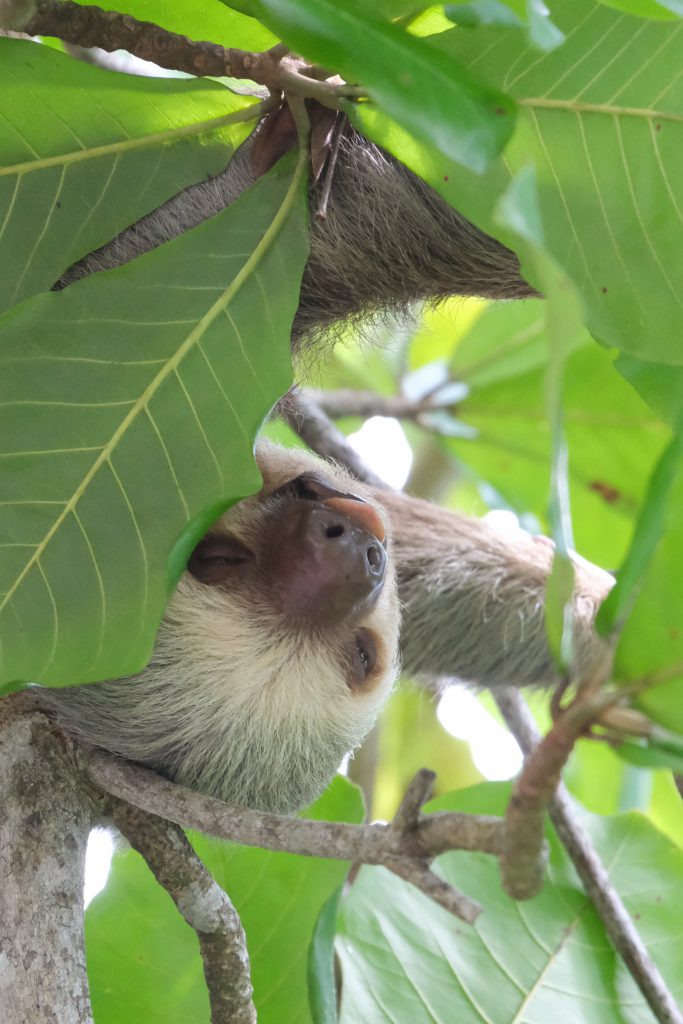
[367,665]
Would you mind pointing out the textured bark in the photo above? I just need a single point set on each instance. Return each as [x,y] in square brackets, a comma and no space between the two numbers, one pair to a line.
[44,826]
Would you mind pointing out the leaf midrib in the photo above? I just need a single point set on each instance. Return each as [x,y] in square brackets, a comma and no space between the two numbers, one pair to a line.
[606,109]
[169,367]
[248,113]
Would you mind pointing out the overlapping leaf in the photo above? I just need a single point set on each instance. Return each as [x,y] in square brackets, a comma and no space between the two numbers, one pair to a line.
[84,152]
[601,119]
[128,407]
[545,959]
[428,93]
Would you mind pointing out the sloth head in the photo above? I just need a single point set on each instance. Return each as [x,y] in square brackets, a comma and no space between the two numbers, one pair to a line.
[276,651]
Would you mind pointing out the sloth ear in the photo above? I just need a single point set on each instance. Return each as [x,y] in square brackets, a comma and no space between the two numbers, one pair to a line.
[217,557]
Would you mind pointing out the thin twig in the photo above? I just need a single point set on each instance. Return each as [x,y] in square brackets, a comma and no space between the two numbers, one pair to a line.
[525,857]
[321,435]
[203,904]
[347,402]
[612,912]
[407,851]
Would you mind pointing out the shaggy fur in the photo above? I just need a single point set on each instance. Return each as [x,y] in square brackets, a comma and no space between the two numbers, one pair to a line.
[388,240]
[473,599]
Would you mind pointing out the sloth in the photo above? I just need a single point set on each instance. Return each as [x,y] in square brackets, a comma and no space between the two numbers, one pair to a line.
[280,644]
[276,652]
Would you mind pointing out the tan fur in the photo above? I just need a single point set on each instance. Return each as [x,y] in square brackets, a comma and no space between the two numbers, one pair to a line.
[473,599]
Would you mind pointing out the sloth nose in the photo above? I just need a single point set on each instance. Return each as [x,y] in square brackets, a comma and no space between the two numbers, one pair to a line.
[360,543]
[361,513]
[328,565]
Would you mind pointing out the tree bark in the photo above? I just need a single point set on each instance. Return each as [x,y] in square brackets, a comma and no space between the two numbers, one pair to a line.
[44,824]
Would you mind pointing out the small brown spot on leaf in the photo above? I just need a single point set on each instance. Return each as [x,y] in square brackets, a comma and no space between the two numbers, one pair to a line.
[604,289]
[445,177]
[658,127]
[606,491]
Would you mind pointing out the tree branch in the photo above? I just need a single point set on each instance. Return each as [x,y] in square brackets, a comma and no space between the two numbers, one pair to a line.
[525,856]
[45,819]
[593,875]
[315,428]
[88,26]
[347,402]
[203,904]
[406,848]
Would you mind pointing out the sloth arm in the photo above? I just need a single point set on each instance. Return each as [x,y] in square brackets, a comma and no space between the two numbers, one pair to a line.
[473,599]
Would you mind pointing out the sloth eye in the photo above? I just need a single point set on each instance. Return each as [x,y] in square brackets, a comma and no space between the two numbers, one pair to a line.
[216,556]
[364,656]
[312,488]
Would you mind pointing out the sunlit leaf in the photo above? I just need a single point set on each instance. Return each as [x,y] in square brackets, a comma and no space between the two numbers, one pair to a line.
[128,408]
[403,958]
[85,152]
[601,120]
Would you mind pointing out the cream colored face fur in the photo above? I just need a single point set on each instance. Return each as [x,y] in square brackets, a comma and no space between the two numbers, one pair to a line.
[237,701]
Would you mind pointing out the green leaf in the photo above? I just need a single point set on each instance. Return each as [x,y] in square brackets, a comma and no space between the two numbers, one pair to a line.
[216,22]
[547,959]
[648,8]
[652,755]
[620,600]
[532,15]
[506,341]
[322,985]
[651,643]
[661,386]
[128,408]
[143,960]
[601,120]
[85,152]
[426,91]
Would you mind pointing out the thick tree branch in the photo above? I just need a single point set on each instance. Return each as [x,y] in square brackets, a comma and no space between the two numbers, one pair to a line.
[45,819]
[203,904]
[593,875]
[89,26]
[407,849]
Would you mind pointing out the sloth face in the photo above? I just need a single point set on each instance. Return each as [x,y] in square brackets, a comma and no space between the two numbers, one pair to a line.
[276,651]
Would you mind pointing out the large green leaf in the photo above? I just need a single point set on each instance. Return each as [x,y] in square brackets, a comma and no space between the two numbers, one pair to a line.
[426,91]
[143,960]
[601,120]
[613,438]
[128,408]
[85,152]
[547,959]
